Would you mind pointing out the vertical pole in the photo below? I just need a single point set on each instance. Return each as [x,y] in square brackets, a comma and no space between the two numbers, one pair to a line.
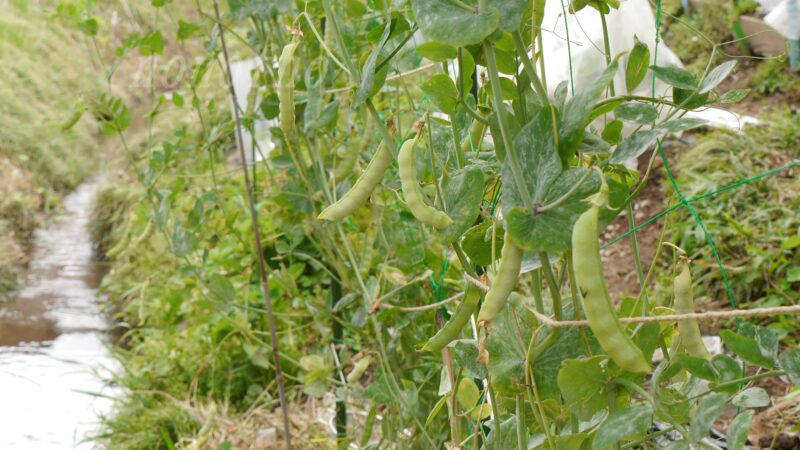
[338,332]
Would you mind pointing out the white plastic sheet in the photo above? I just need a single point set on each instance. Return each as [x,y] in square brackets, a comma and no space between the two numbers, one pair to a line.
[784,17]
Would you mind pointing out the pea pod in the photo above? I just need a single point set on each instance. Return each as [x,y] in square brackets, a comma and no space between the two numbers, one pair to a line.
[504,282]
[596,301]
[412,194]
[476,134]
[690,338]
[286,87]
[457,321]
[346,164]
[366,183]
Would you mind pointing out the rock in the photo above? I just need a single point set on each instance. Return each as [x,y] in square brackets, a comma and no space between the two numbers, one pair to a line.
[266,438]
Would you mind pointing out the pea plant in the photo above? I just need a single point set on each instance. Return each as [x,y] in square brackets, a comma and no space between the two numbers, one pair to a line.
[476,217]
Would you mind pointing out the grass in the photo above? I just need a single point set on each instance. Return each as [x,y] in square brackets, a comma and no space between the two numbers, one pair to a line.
[756,227]
[693,35]
[45,70]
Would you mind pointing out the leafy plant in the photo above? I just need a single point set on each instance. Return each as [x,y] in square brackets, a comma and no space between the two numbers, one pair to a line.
[496,176]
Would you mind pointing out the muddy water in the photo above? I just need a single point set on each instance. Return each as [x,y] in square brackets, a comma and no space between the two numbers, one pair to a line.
[53,341]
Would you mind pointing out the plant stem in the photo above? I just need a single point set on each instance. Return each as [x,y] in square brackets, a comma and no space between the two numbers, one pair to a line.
[497,95]
[348,58]
[607,48]
[522,440]
[559,201]
[536,287]
[552,284]
[527,65]
[262,266]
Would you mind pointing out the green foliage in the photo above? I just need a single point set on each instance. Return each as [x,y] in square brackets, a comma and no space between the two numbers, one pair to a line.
[774,76]
[185,280]
[755,226]
[44,69]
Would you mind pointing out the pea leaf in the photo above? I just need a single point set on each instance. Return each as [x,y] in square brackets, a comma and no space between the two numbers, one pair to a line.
[675,76]
[612,133]
[477,243]
[790,362]
[442,92]
[583,385]
[689,98]
[448,23]
[536,152]
[503,435]
[754,397]
[365,89]
[463,194]
[640,141]
[734,96]
[736,437]
[698,367]
[747,348]
[510,12]
[622,424]
[466,354]
[643,113]
[506,352]
[436,51]
[717,76]
[638,63]
[728,370]
[576,112]
[551,230]
[707,412]
[570,441]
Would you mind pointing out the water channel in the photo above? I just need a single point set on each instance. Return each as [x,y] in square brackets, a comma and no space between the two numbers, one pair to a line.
[53,341]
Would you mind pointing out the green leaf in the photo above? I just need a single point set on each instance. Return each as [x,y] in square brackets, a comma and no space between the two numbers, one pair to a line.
[570,441]
[612,133]
[270,106]
[638,63]
[622,424]
[790,362]
[729,369]
[643,113]
[675,403]
[675,76]
[576,112]
[583,385]
[365,89]
[222,288]
[187,30]
[477,243]
[754,397]
[640,141]
[698,367]
[503,436]
[551,230]
[510,11]
[468,394]
[442,92]
[716,76]
[318,371]
[466,355]
[536,152]
[152,44]
[708,410]
[448,23]
[506,351]
[738,430]
[89,26]
[494,126]
[747,348]
[436,51]
[734,96]
[689,98]
[463,195]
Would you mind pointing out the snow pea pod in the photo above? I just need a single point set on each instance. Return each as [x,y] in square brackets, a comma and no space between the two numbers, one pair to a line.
[504,282]
[596,302]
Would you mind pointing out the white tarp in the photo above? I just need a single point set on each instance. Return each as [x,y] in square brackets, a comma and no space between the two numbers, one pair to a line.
[242,75]
[784,17]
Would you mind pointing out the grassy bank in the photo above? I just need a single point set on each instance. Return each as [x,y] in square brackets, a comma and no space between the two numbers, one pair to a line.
[46,68]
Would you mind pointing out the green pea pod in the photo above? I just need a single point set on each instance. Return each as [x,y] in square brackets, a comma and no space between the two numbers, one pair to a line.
[504,282]
[596,301]
[286,87]
[476,133]
[457,321]
[412,194]
[363,188]
[690,338]
[346,164]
